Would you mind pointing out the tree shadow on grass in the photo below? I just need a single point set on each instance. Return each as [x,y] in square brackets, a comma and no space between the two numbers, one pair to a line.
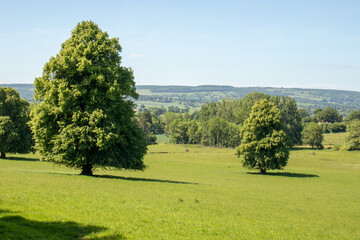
[127,178]
[305,148]
[286,174]
[4,211]
[143,179]
[17,227]
[22,159]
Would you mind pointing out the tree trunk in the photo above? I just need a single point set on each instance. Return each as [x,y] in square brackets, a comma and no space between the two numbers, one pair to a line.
[3,155]
[263,171]
[87,169]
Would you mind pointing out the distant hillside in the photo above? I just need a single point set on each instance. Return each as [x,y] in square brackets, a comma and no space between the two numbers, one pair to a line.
[194,97]
[310,99]
[26,90]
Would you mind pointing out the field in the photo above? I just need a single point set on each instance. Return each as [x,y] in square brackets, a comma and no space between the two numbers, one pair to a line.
[162,138]
[187,192]
[334,139]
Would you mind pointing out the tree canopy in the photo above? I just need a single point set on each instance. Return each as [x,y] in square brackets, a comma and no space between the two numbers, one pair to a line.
[15,134]
[264,143]
[354,115]
[352,140]
[85,118]
[313,135]
[328,114]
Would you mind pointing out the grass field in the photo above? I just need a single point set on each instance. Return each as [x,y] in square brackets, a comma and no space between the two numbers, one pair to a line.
[334,139]
[201,193]
[162,138]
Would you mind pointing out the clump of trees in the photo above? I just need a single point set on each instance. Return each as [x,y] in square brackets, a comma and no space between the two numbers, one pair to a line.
[151,125]
[214,132]
[15,134]
[313,135]
[84,117]
[329,115]
[219,123]
[264,143]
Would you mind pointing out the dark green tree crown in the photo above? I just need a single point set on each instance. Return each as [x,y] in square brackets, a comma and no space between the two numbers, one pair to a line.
[85,116]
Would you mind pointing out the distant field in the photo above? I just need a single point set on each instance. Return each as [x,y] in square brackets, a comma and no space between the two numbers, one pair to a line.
[334,139]
[162,138]
[159,104]
[204,193]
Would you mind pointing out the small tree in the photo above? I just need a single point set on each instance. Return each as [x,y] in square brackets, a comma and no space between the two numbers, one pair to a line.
[313,135]
[264,145]
[85,118]
[352,141]
[15,134]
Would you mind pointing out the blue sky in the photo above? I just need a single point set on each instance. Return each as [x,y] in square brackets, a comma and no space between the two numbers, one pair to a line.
[306,44]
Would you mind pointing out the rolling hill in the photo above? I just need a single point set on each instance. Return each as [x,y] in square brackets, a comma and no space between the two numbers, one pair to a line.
[195,96]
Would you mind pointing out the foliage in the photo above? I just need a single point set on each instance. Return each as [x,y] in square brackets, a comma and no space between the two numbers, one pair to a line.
[168,118]
[219,122]
[84,119]
[179,131]
[221,133]
[150,125]
[313,135]
[244,108]
[354,115]
[214,132]
[352,140]
[291,118]
[145,121]
[15,134]
[303,113]
[333,127]
[329,115]
[264,145]
[158,111]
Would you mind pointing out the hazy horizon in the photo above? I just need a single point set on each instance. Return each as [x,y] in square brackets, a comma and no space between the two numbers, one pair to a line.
[310,45]
[179,85]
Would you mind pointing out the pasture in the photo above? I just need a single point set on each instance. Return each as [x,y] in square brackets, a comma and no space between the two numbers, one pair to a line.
[187,192]
[334,139]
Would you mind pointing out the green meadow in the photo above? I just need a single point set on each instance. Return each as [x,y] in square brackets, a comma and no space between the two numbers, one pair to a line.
[186,192]
[334,139]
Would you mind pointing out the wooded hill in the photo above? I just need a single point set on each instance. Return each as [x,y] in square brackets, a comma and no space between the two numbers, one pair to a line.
[195,96]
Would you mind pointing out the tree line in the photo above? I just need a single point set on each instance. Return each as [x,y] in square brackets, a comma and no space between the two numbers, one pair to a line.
[220,123]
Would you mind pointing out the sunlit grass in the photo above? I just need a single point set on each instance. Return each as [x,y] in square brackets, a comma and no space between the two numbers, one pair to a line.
[186,192]
[334,139]
[162,138]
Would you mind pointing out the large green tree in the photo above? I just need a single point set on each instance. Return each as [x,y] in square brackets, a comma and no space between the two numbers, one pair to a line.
[15,134]
[264,143]
[85,118]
